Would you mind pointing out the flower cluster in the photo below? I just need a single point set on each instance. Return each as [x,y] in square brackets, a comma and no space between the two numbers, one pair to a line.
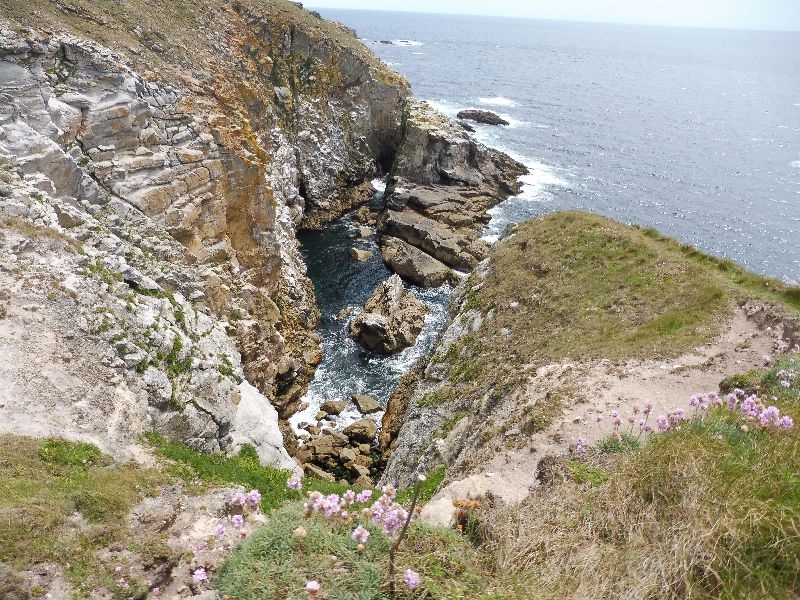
[411,578]
[787,377]
[387,513]
[334,505]
[753,408]
[294,483]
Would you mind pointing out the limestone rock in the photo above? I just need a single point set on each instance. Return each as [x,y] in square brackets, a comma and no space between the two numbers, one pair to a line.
[314,471]
[333,407]
[360,255]
[392,318]
[366,404]
[442,184]
[486,117]
[414,265]
[256,423]
[364,482]
[362,431]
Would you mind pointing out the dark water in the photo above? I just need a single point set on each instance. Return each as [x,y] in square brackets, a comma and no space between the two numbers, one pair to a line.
[695,132]
[341,283]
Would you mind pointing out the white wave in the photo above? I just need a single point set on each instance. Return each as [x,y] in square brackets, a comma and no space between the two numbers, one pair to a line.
[536,186]
[497,101]
[444,107]
[379,183]
[795,164]
[407,43]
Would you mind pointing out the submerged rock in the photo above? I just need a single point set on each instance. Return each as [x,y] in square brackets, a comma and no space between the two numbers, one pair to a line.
[360,255]
[392,318]
[486,117]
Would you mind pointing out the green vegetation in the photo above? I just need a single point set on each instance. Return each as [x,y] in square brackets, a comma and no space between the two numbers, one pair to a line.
[243,469]
[427,489]
[577,286]
[45,484]
[707,511]
[274,563]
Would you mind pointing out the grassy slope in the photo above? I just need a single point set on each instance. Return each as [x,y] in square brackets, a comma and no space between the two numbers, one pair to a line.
[586,287]
[44,482]
[710,511]
[176,37]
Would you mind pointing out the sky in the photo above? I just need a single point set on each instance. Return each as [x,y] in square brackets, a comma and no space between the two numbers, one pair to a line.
[737,14]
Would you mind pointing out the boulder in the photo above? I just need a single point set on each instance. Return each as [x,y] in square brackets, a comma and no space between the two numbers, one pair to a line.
[333,407]
[392,318]
[486,117]
[414,265]
[362,431]
[360,255]
[316,472]
[366,404]
[363,482]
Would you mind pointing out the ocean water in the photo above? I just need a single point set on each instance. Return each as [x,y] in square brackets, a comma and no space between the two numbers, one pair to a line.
[693,131]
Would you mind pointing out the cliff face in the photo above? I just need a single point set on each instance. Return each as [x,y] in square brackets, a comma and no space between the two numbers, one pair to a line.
[442,184]
[157,160]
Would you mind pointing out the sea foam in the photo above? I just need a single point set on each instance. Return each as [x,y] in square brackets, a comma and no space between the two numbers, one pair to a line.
[497,101]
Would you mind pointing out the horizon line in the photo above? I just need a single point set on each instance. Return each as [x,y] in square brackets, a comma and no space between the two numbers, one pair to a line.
[559,20]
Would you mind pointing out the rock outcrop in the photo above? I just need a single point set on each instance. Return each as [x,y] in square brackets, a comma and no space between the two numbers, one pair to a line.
[154,172]
[486,117]
[391,320]
[442,184]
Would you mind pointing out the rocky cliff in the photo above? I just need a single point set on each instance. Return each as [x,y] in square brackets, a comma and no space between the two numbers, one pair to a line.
[442,184]
[157,160]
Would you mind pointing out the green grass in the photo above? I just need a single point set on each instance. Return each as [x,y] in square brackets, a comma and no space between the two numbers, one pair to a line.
[578,286]
[273,563]
[242,469]
[709,511]
[45,483]
[427,490]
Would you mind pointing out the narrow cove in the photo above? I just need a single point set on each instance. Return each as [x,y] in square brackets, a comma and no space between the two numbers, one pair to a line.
[342,285]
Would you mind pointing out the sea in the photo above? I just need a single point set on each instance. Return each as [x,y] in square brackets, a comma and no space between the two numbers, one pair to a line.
[695,132]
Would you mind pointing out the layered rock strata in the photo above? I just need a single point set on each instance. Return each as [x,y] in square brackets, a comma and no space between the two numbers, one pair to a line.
[156,165]
[442,184]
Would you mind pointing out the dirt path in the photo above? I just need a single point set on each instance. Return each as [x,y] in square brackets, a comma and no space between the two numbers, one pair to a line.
[509,474]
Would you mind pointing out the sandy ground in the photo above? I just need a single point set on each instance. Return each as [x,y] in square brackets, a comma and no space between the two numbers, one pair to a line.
[510,474]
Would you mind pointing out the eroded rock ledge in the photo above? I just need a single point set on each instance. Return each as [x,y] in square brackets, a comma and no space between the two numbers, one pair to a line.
[442,184]
[156,164]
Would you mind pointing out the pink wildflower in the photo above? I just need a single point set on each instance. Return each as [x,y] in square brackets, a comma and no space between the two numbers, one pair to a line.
[360,534]
[294,483]
[785,422]
[313,587]
[199,575]
[219,530]
[580,445]
[238,499]
[253,498]
[364,496]
[412,579]
[237,520]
